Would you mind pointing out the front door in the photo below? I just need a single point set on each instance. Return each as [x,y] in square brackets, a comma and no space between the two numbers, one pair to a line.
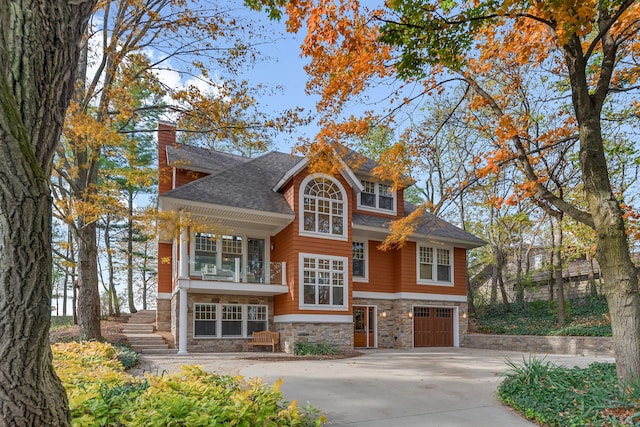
[364,326]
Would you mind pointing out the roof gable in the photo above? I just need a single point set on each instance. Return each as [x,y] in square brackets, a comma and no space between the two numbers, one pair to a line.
[345,171]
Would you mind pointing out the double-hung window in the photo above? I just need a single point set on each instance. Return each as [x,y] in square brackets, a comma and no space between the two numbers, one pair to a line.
[359,260]
[435,265]
[205,320]
[205,251]
[377,196]
[323,281]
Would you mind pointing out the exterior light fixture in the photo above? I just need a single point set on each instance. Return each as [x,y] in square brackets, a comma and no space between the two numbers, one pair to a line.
[384,314]
[410,314]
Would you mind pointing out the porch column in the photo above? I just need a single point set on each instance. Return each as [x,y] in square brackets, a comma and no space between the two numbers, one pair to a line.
[183,270]
[182,328]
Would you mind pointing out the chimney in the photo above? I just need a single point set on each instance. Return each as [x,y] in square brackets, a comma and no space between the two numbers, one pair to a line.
[166,136]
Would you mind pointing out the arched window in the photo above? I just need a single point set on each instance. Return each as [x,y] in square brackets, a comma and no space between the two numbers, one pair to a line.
[323,207]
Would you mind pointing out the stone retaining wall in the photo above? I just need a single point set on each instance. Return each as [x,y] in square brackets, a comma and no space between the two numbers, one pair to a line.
[585,346]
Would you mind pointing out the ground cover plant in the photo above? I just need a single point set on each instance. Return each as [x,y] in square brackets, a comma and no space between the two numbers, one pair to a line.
[554,395]
[102,393]
[586,316]
[315,349]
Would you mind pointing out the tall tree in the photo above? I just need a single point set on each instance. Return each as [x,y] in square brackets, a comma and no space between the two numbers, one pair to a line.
[584,51]
[38,59]
[135,43]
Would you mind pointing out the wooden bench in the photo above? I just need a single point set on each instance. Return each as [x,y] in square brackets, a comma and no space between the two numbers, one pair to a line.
[265,338]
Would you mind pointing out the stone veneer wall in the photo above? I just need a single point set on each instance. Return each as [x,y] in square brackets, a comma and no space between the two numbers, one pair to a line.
[396,329]
[338,334]
[217,345]
[163,315]
[584,346]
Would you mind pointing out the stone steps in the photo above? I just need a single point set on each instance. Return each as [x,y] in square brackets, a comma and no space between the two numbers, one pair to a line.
[168,351]
[139,331]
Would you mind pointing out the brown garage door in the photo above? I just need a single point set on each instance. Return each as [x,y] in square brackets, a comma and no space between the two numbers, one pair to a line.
[432,327]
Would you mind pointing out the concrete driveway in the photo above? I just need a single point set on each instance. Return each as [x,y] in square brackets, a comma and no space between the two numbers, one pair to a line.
[446,387]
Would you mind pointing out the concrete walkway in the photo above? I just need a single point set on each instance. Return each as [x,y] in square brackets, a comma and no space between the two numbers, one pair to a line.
[446,387]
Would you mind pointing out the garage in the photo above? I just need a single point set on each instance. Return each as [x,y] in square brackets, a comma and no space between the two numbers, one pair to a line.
[432,327]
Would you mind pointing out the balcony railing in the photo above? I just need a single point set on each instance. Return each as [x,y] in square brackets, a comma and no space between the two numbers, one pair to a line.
[276,274]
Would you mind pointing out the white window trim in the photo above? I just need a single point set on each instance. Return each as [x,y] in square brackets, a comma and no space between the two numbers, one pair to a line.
[245,319]
[301,304]
[432,282]
[345,217]
[393,211]
[365,278]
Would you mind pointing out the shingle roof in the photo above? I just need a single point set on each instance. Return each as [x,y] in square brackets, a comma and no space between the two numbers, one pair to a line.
[246,185]
[242,182]
[428,224]
[202,159]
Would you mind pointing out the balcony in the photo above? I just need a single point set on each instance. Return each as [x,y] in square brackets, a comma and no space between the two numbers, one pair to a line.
[254,281]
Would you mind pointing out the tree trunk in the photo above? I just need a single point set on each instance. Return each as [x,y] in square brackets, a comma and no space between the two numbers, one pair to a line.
[30,392]
[591,280]
[503,292]
[493,299]
[519,278]
[132,307]
[617,270]
[114,301]
[88,293]
[39,53]
[556,268]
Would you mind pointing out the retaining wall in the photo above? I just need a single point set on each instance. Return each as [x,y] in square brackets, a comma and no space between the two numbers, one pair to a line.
[585,346]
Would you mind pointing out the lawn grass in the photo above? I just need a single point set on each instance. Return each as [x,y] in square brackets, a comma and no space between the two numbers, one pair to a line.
[60,322]
[588,316]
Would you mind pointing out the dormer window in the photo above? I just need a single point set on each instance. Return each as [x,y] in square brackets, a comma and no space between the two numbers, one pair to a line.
[376,196]
[323,208]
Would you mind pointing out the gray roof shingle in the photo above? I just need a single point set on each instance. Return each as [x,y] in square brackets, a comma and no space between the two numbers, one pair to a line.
[202,159]
[245,185]
[428,224]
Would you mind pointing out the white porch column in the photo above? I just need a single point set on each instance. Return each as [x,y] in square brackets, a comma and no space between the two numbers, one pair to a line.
[183,271]
[182,328]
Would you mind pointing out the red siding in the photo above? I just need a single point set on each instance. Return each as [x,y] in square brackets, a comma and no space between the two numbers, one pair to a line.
[164,267]
[288,244]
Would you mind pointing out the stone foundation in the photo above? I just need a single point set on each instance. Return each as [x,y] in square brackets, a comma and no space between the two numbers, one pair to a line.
[163,315]
[395,327]
[338,334]
[219,345]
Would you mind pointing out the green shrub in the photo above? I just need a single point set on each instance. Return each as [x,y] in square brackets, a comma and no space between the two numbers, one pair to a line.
[127,356]
[101,394]
[315,349]
[558,396]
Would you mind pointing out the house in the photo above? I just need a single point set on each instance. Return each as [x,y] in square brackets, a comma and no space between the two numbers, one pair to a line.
[297,252]
[532,268]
